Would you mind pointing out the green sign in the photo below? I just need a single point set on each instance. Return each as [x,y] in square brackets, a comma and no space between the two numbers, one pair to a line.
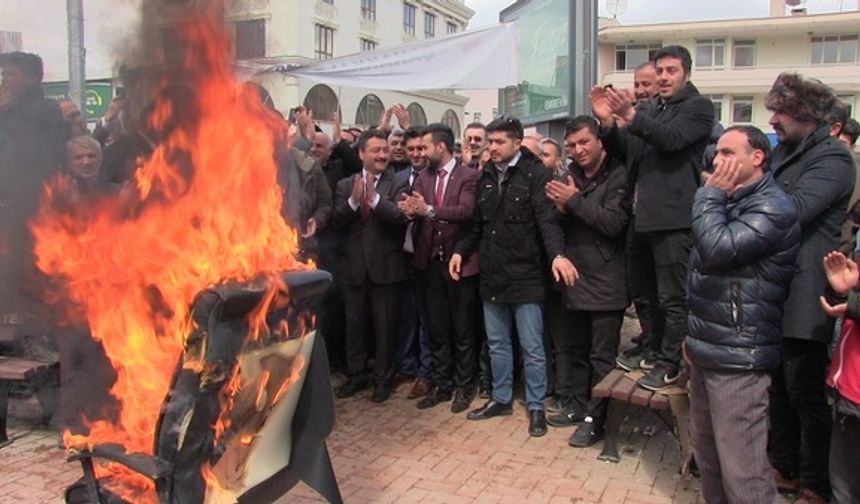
[543,62]
[98,96]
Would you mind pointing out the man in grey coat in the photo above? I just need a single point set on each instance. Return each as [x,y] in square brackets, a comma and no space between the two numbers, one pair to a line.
[818,173]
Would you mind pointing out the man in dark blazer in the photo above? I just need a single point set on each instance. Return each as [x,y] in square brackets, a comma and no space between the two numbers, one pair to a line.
[374,267]
[443,201]
[413,345]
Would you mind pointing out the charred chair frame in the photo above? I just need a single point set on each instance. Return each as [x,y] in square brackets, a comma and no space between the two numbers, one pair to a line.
[175,470]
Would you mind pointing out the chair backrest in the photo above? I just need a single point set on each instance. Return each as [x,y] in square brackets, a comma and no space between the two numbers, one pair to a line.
[252,441]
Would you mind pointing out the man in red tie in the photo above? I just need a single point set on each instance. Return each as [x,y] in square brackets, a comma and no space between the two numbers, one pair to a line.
[443,201]
[373,227]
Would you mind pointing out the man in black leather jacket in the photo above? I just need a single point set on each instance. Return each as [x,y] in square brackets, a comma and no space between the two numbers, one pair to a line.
[745,241]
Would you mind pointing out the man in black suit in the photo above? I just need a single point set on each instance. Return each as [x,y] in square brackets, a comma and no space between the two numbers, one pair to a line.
[374,266]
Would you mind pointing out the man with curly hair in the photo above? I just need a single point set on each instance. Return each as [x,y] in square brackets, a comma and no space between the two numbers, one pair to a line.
[818,173]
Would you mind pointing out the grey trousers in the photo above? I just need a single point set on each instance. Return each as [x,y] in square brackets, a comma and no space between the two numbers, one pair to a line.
[728,428]
[844,466]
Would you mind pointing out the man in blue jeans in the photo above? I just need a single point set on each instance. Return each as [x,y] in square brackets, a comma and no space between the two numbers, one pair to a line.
[518,237]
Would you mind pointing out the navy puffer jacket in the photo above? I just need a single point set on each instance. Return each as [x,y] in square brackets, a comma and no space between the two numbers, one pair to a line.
[742,263]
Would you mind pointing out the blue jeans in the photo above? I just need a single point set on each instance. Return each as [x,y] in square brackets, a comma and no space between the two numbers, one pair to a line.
[499,319]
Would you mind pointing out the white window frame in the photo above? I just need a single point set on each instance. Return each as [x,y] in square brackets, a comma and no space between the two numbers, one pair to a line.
[715,46]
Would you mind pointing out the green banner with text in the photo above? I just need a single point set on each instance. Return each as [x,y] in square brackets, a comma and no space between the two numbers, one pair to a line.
[98,96]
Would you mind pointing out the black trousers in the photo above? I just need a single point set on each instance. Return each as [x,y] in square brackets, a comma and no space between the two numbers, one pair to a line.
[644,297]
[372,312]
[585,354]
[332,318]
[555,324]
[800,417]
[450,310]
[658,277]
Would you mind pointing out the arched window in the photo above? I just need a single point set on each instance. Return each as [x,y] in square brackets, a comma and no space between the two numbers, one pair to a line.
[449,118]
[370,110]
[322,101]
[417,117]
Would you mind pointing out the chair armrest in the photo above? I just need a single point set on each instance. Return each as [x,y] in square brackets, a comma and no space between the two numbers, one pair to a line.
[150,466]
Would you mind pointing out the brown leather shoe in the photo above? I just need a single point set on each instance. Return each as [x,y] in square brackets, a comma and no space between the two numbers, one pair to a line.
[807,496]
[785,484]
[420,389]
[400,379]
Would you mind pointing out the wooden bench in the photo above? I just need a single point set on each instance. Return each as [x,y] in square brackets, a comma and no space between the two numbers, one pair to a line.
[42,378]
[671,406]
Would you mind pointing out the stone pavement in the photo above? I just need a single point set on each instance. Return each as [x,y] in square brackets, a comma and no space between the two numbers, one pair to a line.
[396,453]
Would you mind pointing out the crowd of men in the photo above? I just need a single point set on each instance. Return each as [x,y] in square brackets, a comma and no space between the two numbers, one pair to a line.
[456,265]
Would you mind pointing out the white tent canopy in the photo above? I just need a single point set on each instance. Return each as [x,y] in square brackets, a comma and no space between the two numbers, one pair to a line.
[478,59]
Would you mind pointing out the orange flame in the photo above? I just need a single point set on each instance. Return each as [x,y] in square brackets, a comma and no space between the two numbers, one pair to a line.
[204,208]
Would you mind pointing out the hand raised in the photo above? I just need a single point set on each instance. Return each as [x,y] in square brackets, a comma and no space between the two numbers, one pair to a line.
[599,105]
[841,272]
[370,187]
[357,189]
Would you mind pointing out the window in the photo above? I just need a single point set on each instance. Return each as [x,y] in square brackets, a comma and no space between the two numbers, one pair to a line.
[324,40]
[322,101]
[417,117]
[710,53]
[834,49]
[409,18]
[369,111]
[368,9]
[368,45]
[477,117]
[742,107]
[744,55]
[450,28]
[429,25]
[449,118]
[251,39]
[630,56]
[717,100]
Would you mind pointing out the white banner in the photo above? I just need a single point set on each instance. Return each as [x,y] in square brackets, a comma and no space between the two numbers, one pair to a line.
[477,59]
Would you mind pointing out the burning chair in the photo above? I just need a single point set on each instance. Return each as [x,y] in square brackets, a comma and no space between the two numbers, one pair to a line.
[269,434]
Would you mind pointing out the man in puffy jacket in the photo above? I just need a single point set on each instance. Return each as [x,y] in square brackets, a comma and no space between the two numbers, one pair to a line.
[745,236]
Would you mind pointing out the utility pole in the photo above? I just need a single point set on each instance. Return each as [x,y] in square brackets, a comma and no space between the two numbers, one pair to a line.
[77,53]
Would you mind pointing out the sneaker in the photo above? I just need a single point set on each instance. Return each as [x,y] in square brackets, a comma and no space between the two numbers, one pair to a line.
[557,404]
[566,418]
[661,377]
[647,363]
[586,434]
[629,362]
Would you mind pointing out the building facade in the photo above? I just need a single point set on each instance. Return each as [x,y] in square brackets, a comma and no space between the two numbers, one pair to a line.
[10,41]
[736,61]
[303,31]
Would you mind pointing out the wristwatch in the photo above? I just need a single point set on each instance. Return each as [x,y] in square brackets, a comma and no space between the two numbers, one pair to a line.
[431,212]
